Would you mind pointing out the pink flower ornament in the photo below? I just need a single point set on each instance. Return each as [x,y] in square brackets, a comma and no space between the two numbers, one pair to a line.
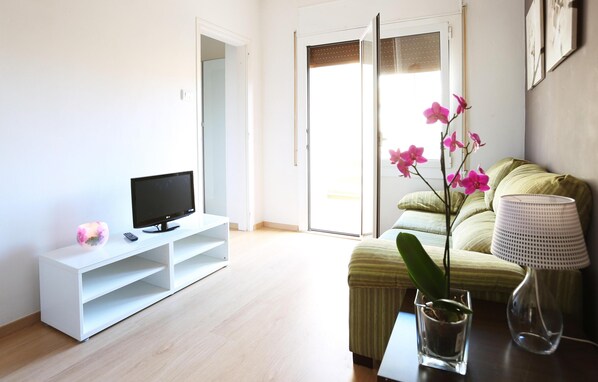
[92,235]
[436,113]
[452,143]
[475,181]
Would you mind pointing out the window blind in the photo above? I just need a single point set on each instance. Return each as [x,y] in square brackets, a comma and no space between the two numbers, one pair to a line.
[410,54]
[405,54]
[334,54]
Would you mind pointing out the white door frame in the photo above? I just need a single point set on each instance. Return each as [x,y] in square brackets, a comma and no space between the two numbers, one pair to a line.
[236,120]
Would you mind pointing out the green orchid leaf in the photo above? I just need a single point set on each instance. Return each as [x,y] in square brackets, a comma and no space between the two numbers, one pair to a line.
[424,273]
[414,281]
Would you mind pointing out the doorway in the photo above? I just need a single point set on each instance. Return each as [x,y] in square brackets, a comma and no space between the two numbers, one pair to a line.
[213,126]
[225,147]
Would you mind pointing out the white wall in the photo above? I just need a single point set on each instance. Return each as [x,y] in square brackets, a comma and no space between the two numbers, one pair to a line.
[495,84]
[280,190]
[89,98]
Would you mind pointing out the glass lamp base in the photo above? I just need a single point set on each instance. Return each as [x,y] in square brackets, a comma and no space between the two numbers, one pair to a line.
[535,320]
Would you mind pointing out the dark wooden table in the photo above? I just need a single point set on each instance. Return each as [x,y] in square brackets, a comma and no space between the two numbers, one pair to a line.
[493,356]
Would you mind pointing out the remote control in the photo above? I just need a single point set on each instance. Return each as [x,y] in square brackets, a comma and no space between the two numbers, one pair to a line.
[130,236]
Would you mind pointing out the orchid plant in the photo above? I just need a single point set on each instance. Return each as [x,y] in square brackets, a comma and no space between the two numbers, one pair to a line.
[425,274]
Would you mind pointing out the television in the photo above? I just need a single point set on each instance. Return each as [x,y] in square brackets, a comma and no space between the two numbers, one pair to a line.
[159,199]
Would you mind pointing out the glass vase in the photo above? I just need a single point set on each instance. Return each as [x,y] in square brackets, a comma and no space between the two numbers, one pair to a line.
[442,344]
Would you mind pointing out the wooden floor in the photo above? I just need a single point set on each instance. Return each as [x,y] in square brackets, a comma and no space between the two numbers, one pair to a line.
[278,312]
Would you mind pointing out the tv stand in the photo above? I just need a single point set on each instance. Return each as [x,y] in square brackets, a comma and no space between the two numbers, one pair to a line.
[83,292]
[162,227]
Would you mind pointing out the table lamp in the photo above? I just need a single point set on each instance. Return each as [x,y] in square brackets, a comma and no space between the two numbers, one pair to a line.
[537,232]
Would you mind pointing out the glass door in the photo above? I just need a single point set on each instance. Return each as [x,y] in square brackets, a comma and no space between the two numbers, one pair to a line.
[343,150]
[370,156]
[334,138]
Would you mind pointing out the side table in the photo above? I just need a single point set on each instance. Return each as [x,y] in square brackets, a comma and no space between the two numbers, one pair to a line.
[493,356]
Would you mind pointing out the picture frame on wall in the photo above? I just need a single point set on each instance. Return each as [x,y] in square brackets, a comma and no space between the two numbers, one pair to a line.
[561,31]
[534,31]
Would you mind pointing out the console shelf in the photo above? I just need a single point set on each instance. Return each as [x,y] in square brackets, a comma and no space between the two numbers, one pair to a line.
[84,292]
[117,275]
[198,267]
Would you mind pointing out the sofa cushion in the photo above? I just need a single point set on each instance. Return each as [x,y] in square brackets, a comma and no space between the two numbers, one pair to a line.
[473,205]
[496,173]
[532,179]
[422,221]
[475,233]
[428,201]
[377,263]
[426,238]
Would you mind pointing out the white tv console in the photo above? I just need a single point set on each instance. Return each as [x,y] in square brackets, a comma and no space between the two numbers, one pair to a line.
[83,292]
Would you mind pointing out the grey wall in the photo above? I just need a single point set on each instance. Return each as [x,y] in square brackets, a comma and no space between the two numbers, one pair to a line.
[562,132]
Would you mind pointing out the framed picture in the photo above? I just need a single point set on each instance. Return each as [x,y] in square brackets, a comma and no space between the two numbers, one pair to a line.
[561,31]
[534,32]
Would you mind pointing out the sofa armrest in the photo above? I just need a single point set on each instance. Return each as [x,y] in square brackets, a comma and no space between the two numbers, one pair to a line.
[377,263]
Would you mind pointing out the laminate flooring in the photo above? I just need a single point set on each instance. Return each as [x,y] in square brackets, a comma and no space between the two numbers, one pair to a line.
[278,312]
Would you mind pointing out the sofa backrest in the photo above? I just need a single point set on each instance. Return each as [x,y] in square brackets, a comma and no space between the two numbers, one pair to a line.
[496,173]
[533,179]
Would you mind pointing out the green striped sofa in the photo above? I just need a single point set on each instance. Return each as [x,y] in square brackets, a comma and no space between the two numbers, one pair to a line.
[378,278]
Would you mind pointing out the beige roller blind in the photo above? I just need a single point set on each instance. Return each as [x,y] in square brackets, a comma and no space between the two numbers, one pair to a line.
[334,54]
[410,54]
[405,54]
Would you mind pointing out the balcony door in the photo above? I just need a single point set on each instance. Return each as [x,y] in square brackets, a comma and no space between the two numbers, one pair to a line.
[370,156]
[342,131]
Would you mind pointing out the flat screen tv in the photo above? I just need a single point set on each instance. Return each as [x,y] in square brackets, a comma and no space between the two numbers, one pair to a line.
[159,199]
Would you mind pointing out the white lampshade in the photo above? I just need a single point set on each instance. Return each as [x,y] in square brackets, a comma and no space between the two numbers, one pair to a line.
[539,231]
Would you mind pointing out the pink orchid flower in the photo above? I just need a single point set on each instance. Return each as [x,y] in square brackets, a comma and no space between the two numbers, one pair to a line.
[452,143]
[477,142]
[475,181]
[414,154]
[404,168]
[395,156]
[462,104]
[436,113]
[454,180]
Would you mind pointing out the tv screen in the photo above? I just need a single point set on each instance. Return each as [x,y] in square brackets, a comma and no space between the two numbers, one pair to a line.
[158,199]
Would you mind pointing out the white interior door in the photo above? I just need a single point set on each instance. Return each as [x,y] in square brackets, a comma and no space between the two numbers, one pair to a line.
[214,137]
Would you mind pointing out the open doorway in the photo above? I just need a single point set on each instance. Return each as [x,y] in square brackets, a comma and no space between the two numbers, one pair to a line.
[225,150]
[213,126]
